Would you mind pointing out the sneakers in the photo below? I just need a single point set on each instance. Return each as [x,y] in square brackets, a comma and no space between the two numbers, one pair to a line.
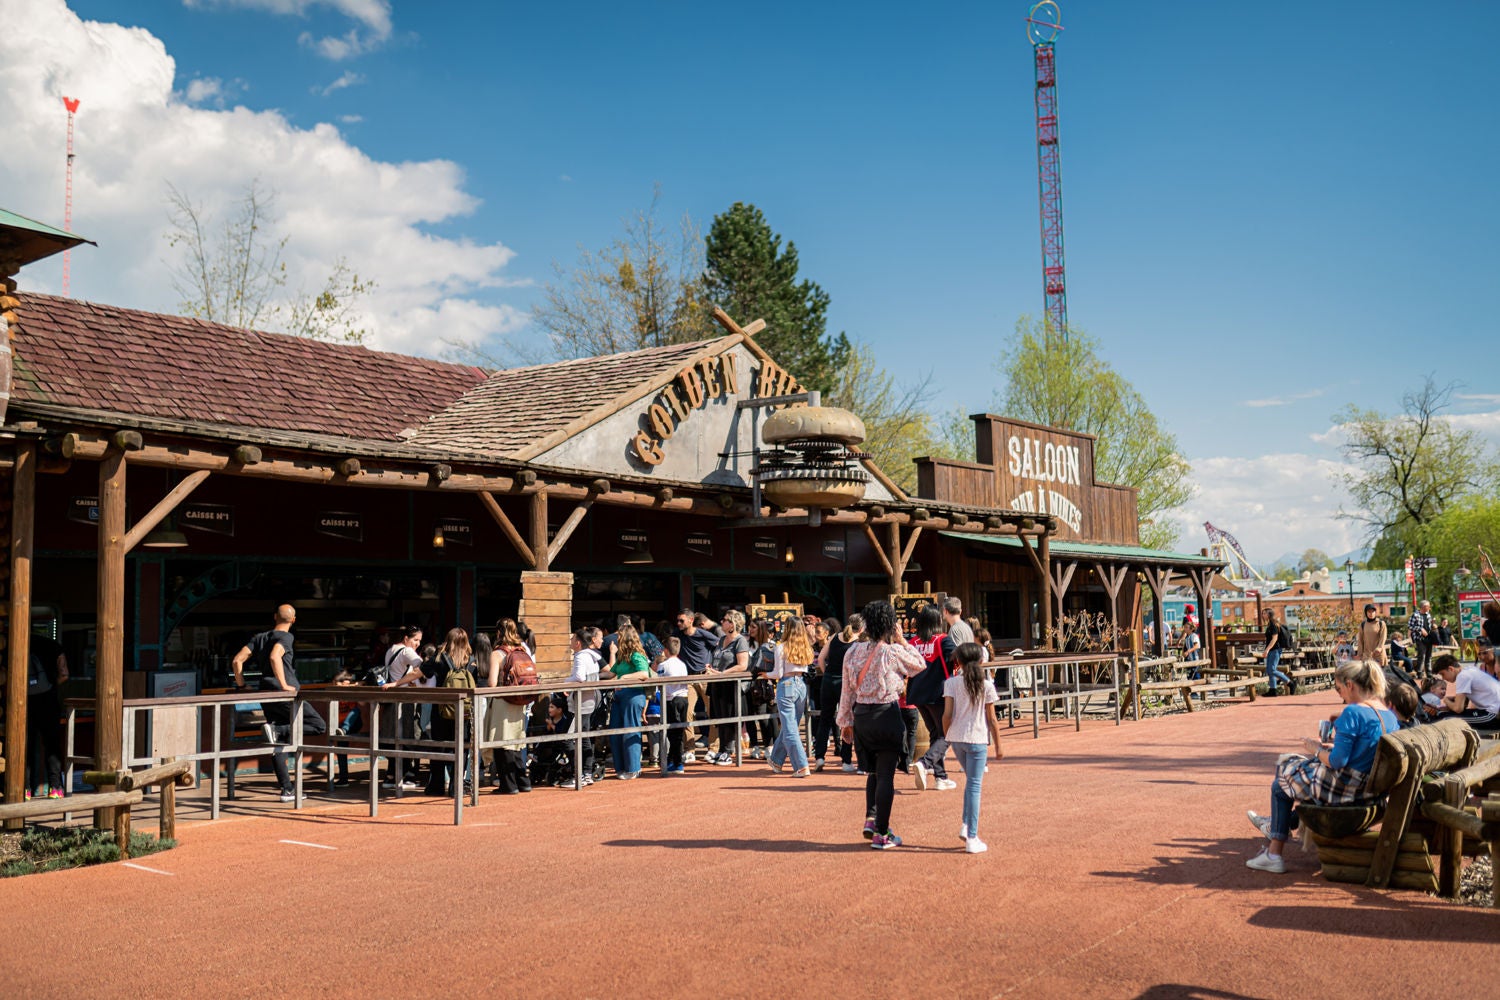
[944,784]
[758,753]
[628,775]
[341,731]
[1261,823]
[885,841]
[963,834]
[849,769]
[690,758]
[725,759]
[341,782]
[801,772]
[869,829]
[818,766]
[288,797]
[54,792]
[567,783]
[920,771]
[975,846]
[270,732]
[408,785]
[1265,861]
[675,769]
[775,767]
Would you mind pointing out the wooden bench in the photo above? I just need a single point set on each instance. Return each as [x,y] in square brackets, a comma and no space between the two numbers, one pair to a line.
[129,790]
[1399,853]
[1245,684]
[1182,686]
[1463,829]
[1312,674]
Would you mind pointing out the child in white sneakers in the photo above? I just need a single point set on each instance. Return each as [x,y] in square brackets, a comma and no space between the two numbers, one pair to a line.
[674,699]
[969,721]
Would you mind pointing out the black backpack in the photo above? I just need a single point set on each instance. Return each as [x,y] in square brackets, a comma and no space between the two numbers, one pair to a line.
[1287,641]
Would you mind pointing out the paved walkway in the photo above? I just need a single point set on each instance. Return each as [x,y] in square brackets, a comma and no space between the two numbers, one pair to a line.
[1115,870]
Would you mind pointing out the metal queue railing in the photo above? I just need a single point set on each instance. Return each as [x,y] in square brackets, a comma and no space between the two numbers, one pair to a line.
[1064,686]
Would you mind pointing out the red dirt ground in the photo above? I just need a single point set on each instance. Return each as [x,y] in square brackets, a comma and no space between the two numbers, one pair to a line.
[1115,870]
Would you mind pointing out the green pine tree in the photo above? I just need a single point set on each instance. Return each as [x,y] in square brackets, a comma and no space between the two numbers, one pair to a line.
[751,277]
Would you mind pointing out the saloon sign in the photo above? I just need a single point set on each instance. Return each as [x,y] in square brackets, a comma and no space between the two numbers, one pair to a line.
[1045,467]
[693,388]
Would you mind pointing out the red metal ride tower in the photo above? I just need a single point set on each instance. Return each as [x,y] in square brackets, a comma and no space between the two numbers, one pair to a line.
[71,103]
[1043,24]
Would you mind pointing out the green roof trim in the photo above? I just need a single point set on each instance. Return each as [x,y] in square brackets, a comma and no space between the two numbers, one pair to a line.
[1087,550]
[26,241]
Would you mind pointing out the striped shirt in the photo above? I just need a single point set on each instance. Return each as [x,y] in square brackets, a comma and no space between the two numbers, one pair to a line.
[875,673]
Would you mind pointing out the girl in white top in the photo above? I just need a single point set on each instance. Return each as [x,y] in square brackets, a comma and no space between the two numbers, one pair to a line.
[969,722]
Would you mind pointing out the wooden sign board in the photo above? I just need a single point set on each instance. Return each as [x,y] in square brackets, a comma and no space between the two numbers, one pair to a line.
[909,605]
[779,614]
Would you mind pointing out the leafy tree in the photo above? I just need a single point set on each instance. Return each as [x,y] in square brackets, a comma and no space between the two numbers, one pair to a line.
[1314,559]
[1453,538]
[1282,571]
[751,276]
[1412,466]
[898,428]
[232,272]
[643,290]
[1064,383]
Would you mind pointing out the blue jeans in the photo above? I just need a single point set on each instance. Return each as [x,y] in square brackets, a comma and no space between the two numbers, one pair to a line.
[625,710]
[1281,813]
[971,757]
[791,706]
[1273,663]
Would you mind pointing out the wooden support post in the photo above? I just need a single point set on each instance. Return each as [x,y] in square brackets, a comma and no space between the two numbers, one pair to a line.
[109,709]
[541,563]
[885,562]
[897,567]
[508,528]
[1045,555]
[167,830]
[22,519]
[1450,840]
[168,504]
[566,531]
[1043,575]
[122,830]
[1157,579]
[1202,586]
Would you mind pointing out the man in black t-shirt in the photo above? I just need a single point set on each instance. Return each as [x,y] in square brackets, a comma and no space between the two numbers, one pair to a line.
[697,650]
[272,652]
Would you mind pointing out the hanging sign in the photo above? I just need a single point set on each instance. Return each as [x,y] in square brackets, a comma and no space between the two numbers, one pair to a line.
[342,524]
[215,518]
[766,546]
[456,530]
[777,614]
[833,548]
[634,539]
[908,606]
[84,510]
[700,542]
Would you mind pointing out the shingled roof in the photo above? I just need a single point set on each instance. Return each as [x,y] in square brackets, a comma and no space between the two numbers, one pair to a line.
[97,357]
[516,410]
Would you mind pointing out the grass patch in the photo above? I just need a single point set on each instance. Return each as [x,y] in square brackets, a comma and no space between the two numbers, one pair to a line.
[47,850]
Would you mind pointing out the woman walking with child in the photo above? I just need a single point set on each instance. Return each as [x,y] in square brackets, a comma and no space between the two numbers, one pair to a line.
[628,706]
[875,673]
[969,721]
[794,654]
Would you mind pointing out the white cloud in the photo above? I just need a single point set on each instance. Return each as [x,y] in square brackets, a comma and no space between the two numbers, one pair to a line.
[135,134]
[348,78]
[1489,398]
[351,119]
[1272,504]
[374,16]
[1284,400]
[202,89]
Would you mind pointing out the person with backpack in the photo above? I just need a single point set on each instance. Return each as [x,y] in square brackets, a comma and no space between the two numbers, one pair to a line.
[451,668]
[271,651]
[925,694]
[511,665]
[402,667]
[1278,642]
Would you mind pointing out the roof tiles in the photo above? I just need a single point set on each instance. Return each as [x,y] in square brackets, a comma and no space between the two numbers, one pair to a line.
[81,354]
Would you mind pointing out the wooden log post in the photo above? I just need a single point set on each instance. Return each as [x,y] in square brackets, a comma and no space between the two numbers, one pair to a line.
[539,531]
[109,708]
[18,649]
[167,827]
[122,830]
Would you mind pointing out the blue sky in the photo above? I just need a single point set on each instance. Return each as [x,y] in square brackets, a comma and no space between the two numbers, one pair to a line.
[1271,210]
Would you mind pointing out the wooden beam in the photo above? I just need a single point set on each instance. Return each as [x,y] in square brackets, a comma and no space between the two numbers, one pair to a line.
[347,467]
[245,454]
[109,656]
[22,520]
[165,506]
[566,531]
[539,530]
[1044,544]
[911,543]
[509,529]
[1062,578]
[440,472]
[127,440]
[898,568]
[885,563]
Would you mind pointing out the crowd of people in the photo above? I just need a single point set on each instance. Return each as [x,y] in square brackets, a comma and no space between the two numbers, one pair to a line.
[867,682]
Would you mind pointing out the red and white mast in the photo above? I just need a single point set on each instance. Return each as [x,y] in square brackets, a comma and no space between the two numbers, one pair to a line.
[1043,24]
[71,103]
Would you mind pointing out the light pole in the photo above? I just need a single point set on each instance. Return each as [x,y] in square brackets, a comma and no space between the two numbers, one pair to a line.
[1349,569]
